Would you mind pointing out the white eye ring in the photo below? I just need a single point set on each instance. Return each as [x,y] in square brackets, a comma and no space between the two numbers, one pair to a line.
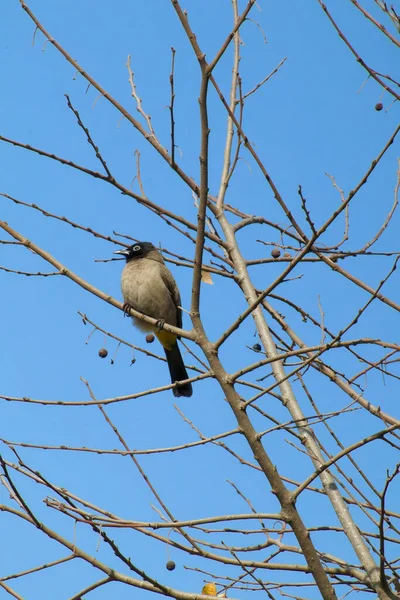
[136,248]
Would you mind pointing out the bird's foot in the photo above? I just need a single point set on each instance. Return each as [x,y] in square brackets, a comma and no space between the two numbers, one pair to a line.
[160,324]
[126,308]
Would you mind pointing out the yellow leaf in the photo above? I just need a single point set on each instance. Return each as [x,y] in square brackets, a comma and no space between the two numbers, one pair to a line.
[210,589]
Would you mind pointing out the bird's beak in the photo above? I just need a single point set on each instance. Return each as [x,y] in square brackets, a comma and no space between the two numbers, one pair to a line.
[123,252]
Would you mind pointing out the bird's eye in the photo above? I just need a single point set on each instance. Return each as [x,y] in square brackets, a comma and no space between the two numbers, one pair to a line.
[136,248]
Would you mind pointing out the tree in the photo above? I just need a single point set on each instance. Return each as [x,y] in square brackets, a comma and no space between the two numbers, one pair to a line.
[278,477]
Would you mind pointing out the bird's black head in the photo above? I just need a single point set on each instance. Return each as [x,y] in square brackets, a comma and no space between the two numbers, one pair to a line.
[137,250]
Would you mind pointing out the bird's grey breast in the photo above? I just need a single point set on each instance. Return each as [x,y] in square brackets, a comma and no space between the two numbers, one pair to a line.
[144,290]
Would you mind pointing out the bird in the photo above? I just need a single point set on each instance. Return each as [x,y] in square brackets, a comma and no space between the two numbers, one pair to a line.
[149,287]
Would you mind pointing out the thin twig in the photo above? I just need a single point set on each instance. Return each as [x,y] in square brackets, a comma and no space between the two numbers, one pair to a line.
[171,106]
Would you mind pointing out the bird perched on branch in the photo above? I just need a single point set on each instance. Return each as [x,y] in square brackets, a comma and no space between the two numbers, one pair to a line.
[149,287]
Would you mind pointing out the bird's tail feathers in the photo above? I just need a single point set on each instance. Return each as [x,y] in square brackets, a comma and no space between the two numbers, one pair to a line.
[178,372]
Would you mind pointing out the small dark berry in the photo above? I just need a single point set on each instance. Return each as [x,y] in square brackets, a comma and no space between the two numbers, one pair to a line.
[378,106]
[257,348]
[149,338]
[170,565]
[103,353]
[275,253]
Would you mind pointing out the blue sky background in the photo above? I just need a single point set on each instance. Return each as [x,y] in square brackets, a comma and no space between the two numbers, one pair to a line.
[310,119]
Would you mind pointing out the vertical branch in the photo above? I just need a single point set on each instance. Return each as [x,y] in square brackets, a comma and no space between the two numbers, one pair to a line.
[225,176]
[203,191]
[201,215]
[171,107]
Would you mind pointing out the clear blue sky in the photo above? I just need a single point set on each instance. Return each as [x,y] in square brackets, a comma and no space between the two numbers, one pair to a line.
[310,119]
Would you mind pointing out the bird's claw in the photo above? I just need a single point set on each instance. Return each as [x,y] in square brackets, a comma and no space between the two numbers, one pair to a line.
[127,309]
[160,324]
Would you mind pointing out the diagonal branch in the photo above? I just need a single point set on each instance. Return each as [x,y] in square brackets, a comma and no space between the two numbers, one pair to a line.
[87,286]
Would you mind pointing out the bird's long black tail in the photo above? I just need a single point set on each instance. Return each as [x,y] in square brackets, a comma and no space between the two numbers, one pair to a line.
[178,372]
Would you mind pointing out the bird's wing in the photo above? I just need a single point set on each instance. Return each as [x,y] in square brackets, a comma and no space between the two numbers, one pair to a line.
[170,284]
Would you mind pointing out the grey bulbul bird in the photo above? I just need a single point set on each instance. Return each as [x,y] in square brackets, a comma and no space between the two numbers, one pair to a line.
[149,287]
